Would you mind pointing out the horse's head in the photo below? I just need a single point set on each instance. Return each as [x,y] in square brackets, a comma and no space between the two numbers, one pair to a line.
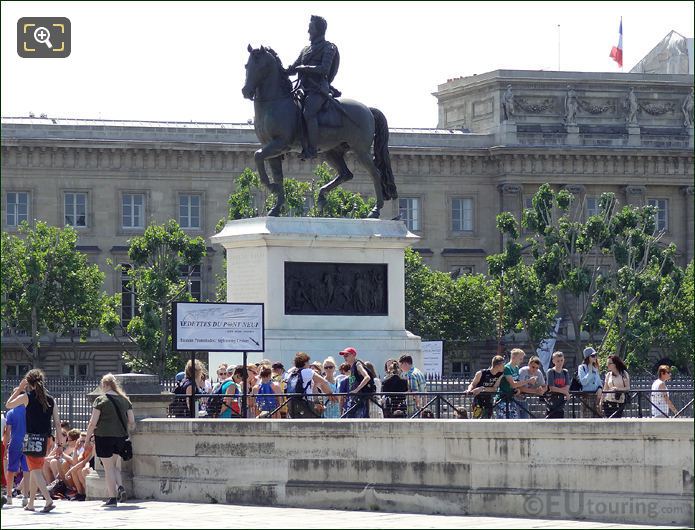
[262,64]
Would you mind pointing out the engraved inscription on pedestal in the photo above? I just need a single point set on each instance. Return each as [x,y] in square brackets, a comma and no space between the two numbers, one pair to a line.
[336,289]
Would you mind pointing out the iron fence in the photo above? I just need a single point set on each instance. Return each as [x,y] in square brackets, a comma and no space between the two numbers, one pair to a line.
[71,397]
[446,398]
[436,405]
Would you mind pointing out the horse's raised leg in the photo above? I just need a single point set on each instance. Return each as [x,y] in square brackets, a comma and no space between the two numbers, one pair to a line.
[277,185]
[335,158]
[272,149]
[365,159]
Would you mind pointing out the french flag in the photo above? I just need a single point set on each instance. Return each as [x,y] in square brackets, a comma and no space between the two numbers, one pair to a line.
[617,51]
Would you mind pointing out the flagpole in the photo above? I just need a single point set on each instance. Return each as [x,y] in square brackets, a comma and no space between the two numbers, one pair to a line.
[558,47]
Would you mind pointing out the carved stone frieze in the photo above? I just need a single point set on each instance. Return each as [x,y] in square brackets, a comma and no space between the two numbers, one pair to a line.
[336,289]
[510,189]
[597,107]
[535,105]
[658,109]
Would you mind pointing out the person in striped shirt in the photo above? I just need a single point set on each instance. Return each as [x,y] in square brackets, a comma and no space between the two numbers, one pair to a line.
[416,381]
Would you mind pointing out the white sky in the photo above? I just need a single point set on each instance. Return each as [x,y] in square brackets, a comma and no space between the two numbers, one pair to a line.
[184,61]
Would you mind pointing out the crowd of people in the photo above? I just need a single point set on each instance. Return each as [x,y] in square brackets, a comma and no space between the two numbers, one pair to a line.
[306,390]
[502,390]
[319,389]
[38,463]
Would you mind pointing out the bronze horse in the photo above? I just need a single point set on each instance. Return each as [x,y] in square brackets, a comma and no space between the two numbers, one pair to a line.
[278,122]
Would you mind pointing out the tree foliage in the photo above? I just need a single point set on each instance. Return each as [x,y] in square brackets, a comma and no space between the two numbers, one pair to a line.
[528,302]
[48,286]
[162,262]
[614,274]
[441,308]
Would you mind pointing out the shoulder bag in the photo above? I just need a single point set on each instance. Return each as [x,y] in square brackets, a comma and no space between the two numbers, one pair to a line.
[126,450]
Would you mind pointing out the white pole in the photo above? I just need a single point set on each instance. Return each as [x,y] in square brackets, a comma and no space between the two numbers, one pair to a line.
[558,47]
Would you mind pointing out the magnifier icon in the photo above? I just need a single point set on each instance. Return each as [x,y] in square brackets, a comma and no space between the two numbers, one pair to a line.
[42,35]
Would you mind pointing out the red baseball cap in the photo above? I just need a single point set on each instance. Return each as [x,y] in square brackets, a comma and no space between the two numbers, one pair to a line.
[348,351]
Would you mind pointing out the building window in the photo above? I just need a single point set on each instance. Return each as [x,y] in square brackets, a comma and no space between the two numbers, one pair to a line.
[194,281]
[17,207]
[75,209]
[592,206]
[16,370]
[133,210]
[129,306]
[462,215]
[409,210]
[189,211]
[661,206]
[460,270]
[76,371]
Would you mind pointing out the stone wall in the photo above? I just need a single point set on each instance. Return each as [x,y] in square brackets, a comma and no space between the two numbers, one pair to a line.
[637,471]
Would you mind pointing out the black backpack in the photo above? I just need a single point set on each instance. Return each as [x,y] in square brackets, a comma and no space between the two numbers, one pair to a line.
[575,385]
[178,407]
[299,407]
[370,387]
[214,405]
[295,383]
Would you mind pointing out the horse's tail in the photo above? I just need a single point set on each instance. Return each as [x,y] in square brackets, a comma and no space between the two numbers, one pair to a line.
[382,158]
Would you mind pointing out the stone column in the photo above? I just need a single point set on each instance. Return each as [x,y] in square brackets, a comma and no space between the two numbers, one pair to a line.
[148,401]
[634,195]
[512,202]
[578,190]
[689,222]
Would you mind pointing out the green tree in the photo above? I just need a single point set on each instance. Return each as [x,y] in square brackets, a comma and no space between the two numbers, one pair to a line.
[645,280]
[612,271]
[527,303]
[569,253]
[439,307]
[676,334]
[48,286]
[162,262]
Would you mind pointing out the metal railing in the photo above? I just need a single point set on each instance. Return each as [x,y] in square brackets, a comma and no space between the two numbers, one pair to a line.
[446,399]
[444,405]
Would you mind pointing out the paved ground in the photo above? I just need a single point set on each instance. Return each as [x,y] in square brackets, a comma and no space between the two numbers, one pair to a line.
[151,514]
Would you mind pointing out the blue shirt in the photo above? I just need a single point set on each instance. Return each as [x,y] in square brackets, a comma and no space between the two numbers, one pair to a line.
[589,378]
[17,419]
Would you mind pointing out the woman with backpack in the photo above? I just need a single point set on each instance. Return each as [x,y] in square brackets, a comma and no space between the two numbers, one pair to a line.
[110,429]
[615,387]
[301,380]
[181,406]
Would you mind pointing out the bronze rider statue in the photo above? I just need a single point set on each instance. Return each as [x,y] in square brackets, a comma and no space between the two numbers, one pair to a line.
[316,66]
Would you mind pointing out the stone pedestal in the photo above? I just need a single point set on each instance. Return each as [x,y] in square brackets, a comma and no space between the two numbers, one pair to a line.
[633,136]
[691,134]
[258,250]
[148,401]
[573,135]
[507,133]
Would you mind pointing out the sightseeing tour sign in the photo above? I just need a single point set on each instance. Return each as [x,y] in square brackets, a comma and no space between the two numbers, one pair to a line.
[228,327]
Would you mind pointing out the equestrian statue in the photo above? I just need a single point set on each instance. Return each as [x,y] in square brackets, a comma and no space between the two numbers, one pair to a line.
[313,118]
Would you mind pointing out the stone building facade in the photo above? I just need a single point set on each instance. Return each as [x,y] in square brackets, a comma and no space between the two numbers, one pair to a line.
[110,179]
